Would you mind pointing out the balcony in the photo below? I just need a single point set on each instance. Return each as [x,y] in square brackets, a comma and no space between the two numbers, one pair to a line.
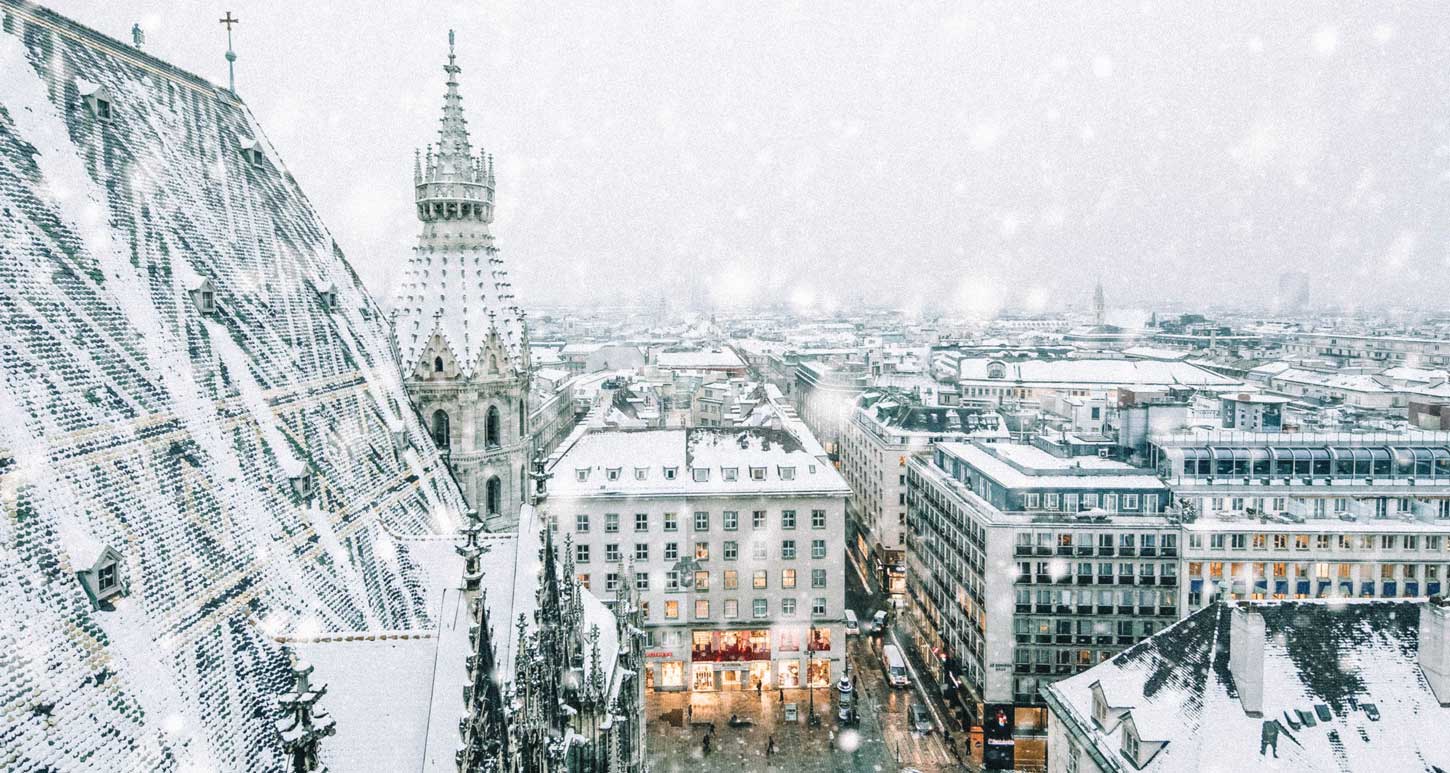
[1084,551]
[1022,550]
[1084,579]
[1043,578]
[1022,608]
[1105,610]
[1084,609]
[1125,579]
[1064,550]
[1170,552]
[1125,610]
[1127,551]
[1146,611]
[1045,609]
[1063,638]
[1044,551]
[1148,552]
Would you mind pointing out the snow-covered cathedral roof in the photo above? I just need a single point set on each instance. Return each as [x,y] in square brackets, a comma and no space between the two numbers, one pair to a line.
[455,287]
[192,375]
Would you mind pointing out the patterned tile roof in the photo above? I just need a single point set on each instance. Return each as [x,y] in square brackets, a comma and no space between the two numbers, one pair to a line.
[251,466]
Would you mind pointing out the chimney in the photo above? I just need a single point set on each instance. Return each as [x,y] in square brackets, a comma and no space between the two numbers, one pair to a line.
[1246,657]
[1435,647]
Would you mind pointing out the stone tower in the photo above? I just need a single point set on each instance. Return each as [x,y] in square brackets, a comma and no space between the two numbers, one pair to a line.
[461,335]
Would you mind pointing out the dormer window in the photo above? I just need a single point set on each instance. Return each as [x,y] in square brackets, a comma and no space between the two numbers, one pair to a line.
[328,297]
[671,472]
[702,474]
[1100,709]
[640,473]
[99,569]
[437,364]
[757,473]
[252,153]
[996,369]
[786,473]
[96,98]
[612,473]
[1131,747]
[581,474]
[729,473]
[203,296]
[302,483]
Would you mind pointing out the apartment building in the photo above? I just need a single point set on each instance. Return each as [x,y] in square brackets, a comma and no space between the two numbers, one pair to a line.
[733,538]
[1024,567]
[1310,515]
[887,428]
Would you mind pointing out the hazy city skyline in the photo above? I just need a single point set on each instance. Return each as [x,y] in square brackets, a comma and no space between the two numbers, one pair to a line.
[966,158]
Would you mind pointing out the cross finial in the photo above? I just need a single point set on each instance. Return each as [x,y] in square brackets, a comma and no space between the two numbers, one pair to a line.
[229,20]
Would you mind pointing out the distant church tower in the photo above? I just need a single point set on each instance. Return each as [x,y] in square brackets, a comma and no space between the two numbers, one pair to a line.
[461,335]
[1100,306]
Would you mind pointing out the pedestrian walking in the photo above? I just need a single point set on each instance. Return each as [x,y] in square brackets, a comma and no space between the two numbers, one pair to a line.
[707,744]
[770,746]
[760,687]
[690,712]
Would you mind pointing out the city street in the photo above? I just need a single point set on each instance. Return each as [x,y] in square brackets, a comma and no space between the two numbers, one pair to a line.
[928,753]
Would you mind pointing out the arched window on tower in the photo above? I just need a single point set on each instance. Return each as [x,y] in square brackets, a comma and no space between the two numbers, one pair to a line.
[523,414]
[437,364]
[493,495]
[440,429]
[491,428]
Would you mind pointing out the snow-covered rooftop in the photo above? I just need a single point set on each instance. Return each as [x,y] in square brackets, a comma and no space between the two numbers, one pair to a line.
[1020,466]
[696,461]
[709,359]
[1349,666]
[1094,372]
[130,419]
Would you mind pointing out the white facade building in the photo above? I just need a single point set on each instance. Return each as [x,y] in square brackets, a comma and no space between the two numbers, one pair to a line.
[733,538]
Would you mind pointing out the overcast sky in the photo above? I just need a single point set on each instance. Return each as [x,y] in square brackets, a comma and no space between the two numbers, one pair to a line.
[966,154]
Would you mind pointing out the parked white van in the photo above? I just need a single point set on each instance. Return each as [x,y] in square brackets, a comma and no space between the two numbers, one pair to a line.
[853,626]
[895,666]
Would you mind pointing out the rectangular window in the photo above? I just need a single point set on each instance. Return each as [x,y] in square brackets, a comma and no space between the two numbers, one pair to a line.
[758,551]
[787,578]
[760,608]
[1130,501]
[672,551]
[818,519]
[702,551]
[787,550]
[729,474]
[702,474]
[818,578]
[757,473]
[611,523]
[581,554]
[702,521]
[818,607]
[581,522]
[732,520]
[611,553]
[641,551]
[641,580]
[732,579]
[758,580]
[787,519]
[702,580]
[732,550]
[672,580]
[611,582]
[702,609]
[787,607]
[732,608]
[818,548]
[641,521]
[757,519]
[672,610]
[672,522]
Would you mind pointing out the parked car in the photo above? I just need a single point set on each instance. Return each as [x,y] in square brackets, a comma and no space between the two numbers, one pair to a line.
[878,621]
[853,626]
[919,719]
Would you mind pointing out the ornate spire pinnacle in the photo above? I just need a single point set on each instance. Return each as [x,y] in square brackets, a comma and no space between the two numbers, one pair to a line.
[454,184]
